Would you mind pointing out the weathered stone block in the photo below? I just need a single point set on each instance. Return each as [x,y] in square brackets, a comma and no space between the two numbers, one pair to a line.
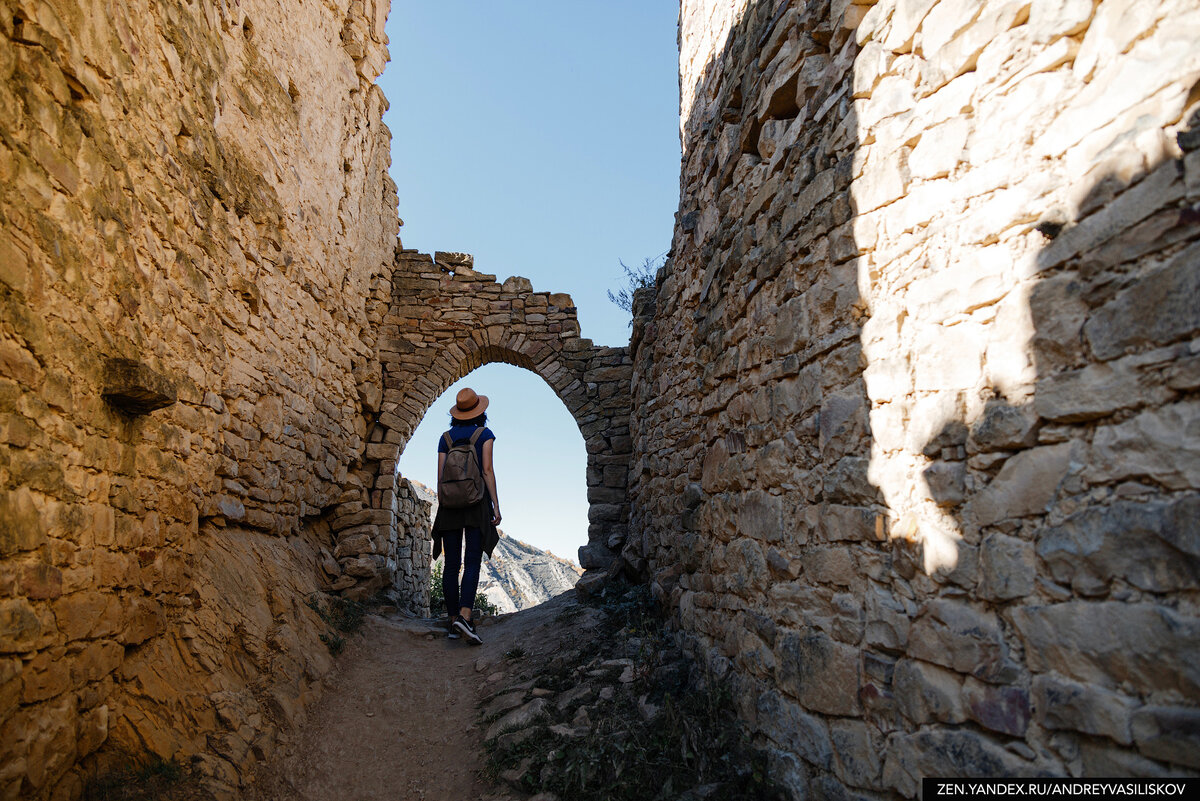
[1163,444]
[1025,485]
[454,258]
[848,483]
[947,752]
[1003,427]
[23,528]
[1150,647]
[1171,734]
[850,524]
[595,556]
[926,693]
[859,751]
[834,566]
[759,515]
[1157,309]
[793,728]
[1007,566]
[963,638]
[1062,704]
[1092,392]
[887,621]
[946,482]
[135,388]
[1154,546]
[1002,709]
[41,582]
[819,672]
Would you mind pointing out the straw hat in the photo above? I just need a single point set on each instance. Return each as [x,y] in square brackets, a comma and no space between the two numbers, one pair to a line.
[468,405]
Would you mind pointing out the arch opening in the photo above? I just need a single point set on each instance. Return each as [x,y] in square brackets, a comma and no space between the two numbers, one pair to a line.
[540,461]
[437,322]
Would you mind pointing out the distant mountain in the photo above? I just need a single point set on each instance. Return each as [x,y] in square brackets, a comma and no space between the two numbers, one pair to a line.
[518,575]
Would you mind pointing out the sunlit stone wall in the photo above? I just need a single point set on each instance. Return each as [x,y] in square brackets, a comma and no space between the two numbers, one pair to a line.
[916,451]
[193,208]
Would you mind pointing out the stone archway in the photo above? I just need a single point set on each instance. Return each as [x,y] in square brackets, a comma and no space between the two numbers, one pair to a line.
[442,321]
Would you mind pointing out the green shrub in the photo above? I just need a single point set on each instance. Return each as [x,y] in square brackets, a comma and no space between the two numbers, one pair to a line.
[484,605]
[437,599]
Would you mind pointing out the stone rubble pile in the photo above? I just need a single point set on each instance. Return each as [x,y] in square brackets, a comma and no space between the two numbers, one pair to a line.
[905,438]
[594,674]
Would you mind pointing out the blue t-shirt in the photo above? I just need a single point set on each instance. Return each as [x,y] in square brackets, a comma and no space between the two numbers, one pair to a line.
[460,433]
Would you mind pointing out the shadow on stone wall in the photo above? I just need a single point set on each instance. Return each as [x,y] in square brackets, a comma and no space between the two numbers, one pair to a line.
[901,568]
[1080,541]
[749,382]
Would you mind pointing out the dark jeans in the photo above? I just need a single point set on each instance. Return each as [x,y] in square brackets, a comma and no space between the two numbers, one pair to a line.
[452,546]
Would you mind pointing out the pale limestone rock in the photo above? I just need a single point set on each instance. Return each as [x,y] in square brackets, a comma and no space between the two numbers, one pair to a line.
[940,149]
[943,23]
[1162,444]
[1151,647]
[1024,486]
[907,16]
[1051,19]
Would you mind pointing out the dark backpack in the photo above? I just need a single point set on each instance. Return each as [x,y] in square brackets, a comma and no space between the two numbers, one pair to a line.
[461,483]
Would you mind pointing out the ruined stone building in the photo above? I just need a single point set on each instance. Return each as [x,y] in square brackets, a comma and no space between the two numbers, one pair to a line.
[906,439]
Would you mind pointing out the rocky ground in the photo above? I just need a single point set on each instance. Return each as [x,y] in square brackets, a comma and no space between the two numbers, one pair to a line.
[579,699]
[600,704]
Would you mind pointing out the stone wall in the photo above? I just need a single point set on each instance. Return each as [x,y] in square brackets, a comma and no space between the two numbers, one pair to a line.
[194,208]
[441,319]
[915,414]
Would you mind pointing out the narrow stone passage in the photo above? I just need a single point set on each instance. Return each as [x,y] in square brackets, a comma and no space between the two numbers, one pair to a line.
[398,718]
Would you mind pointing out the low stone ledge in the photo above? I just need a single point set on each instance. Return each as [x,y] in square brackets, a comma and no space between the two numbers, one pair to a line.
[135,389]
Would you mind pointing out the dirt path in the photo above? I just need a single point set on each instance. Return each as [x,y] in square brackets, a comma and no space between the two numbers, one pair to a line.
[398,719]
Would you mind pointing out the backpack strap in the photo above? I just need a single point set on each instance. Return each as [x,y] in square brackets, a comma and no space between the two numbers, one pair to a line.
[475,434]
[449,442]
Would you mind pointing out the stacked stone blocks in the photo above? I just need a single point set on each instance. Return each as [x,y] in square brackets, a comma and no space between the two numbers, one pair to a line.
[915,398]
[442,321]
[194,206]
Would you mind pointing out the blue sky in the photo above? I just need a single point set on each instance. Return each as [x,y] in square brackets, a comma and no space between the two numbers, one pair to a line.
[542,137]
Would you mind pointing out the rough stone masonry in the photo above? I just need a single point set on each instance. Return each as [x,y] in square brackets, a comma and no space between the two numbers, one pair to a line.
[194,206]
[913,448]
[437,319]
[212,350]
[916,426]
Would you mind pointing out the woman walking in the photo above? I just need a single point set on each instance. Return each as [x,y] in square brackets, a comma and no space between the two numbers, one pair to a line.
[468,507]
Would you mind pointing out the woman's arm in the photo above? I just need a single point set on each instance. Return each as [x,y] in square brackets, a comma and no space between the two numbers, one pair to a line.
[489,478]
[441,463]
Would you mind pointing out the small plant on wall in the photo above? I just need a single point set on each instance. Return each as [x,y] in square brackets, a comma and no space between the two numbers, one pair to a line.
[636,278]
